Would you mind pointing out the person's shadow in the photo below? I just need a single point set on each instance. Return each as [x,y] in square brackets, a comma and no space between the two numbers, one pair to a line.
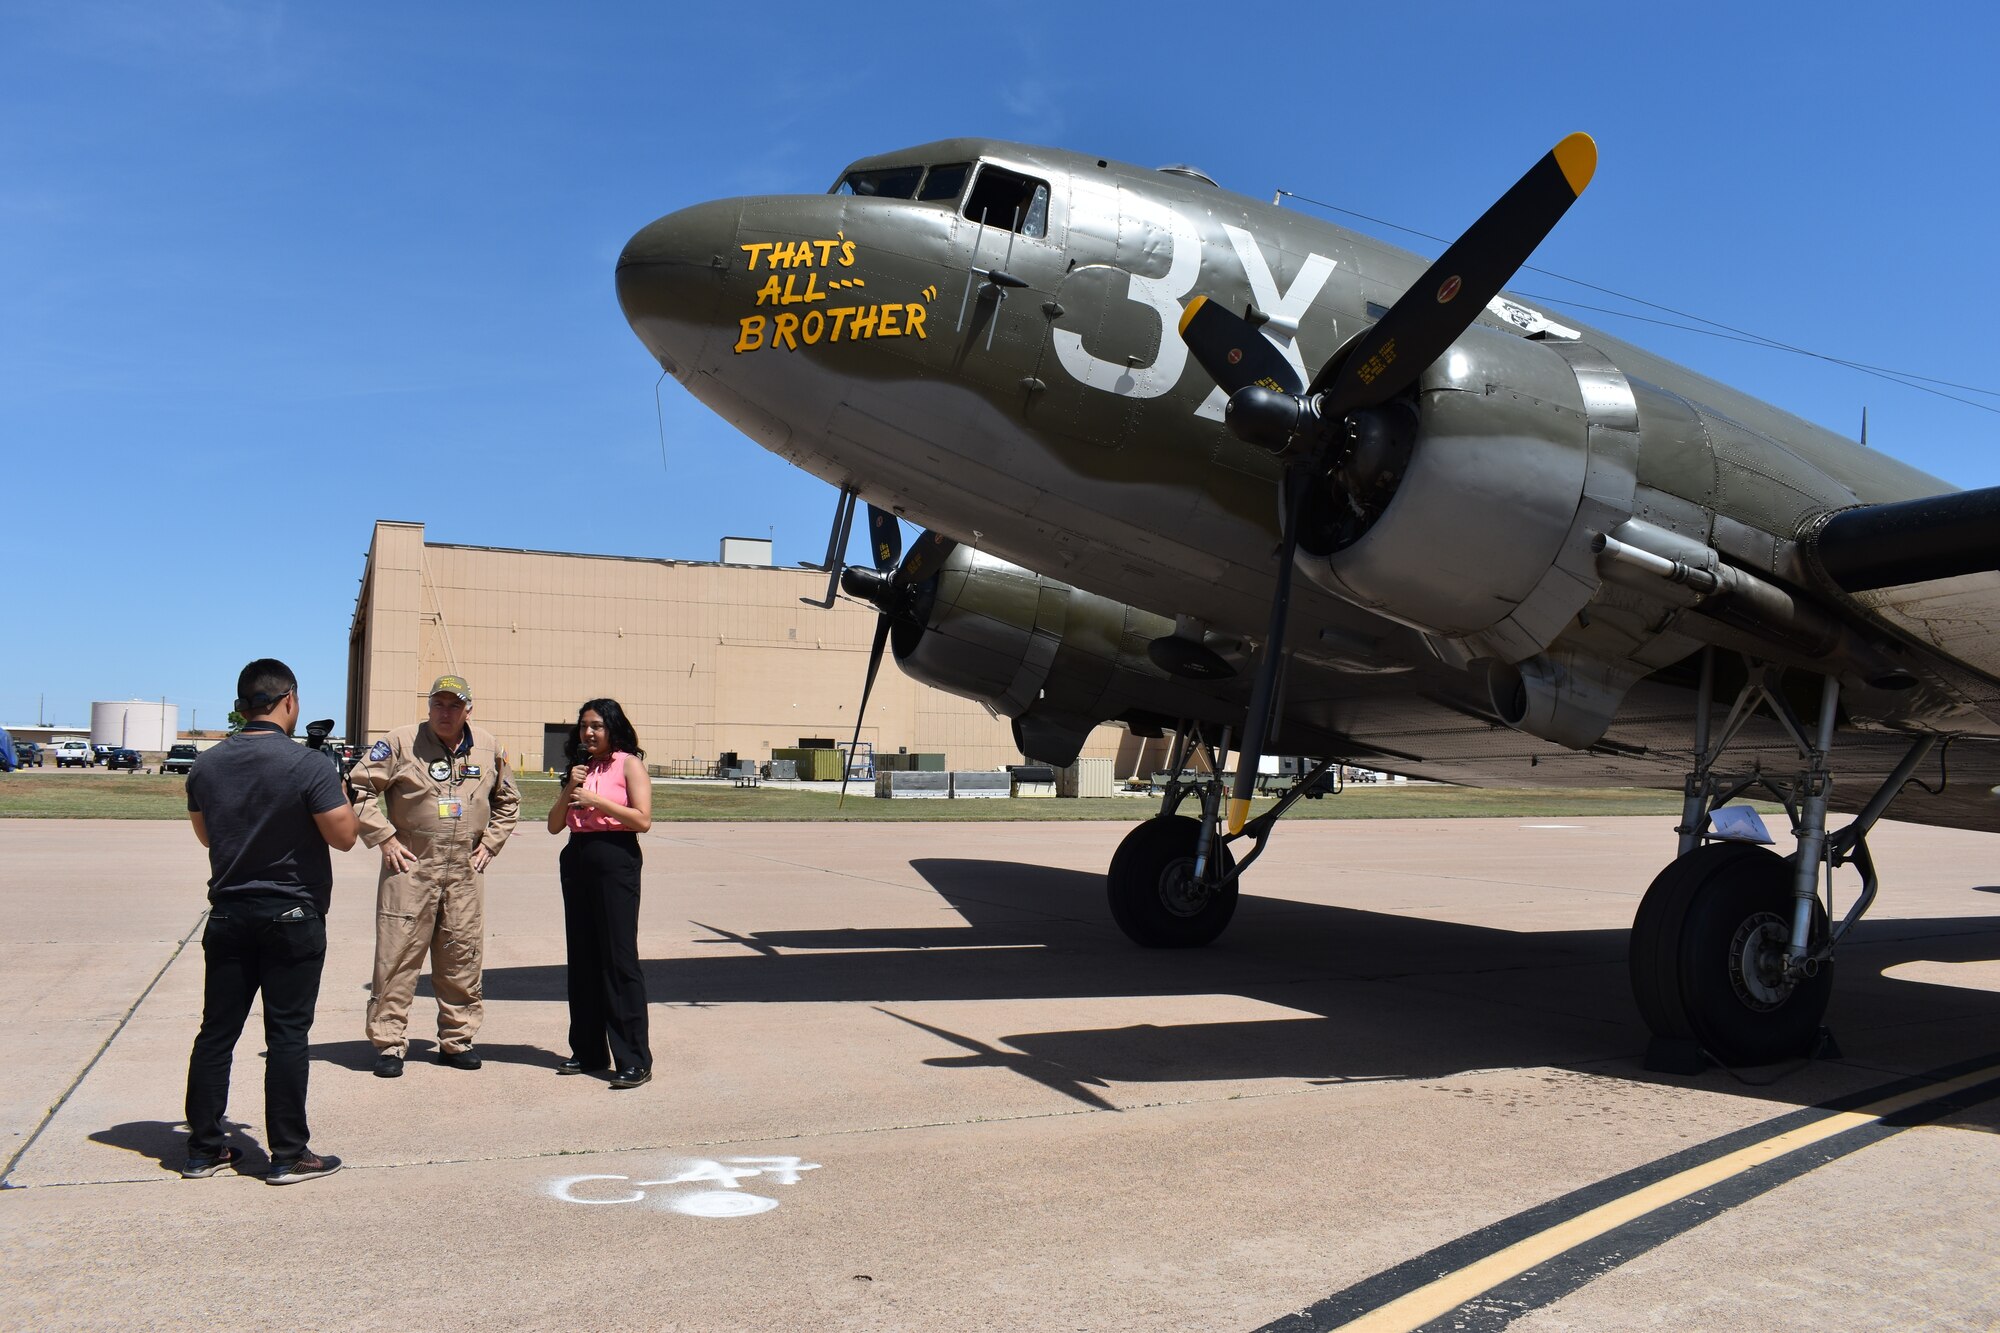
[165,1142]
[359,1056]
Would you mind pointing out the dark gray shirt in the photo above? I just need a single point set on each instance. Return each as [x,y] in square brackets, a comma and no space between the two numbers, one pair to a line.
[258,792]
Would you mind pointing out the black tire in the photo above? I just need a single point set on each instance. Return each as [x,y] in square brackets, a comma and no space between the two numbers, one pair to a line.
[1701,952]
[1150,887]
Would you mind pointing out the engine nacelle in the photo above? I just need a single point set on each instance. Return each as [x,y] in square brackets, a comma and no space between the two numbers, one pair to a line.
[1055,659]
[1475,525]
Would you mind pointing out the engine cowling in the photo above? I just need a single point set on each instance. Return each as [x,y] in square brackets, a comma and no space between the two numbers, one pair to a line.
[1469,513]
[1054,659]
[1479,532]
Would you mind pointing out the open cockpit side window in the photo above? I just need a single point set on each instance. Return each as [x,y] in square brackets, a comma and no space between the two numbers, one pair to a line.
[1003,198]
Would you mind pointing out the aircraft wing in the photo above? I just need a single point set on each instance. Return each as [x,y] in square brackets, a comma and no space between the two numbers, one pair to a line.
[1920,574]
[1925,570]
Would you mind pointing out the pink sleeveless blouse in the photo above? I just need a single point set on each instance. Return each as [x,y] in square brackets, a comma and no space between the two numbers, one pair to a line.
[605,778]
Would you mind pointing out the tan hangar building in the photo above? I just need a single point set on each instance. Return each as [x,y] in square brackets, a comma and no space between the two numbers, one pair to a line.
[706,658]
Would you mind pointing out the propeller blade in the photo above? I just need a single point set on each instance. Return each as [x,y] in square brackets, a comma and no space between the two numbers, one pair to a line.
[1231,350]
[867,687]
[1442,304]
[1251,752]
[885,538]
[926,557]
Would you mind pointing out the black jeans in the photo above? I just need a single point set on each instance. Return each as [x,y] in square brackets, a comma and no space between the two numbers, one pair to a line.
[607,990]
[278,949]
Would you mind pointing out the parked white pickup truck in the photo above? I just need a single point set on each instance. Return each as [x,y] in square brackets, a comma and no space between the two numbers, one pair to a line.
[74,754]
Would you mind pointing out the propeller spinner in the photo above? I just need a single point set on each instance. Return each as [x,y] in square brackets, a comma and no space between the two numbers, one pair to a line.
[890,593]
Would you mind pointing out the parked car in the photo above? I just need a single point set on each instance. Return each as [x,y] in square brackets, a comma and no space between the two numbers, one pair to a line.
[180,759]
[74,754]
[122,758]
[28,754]
[101,753]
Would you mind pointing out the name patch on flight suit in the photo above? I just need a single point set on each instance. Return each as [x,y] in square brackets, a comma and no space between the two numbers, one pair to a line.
[472,770]
[440,769]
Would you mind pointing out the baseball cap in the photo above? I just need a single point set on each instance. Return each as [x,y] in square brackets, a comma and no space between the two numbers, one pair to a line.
[452,685]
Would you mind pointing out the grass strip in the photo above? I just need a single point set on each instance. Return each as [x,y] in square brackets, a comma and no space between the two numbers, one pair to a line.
[35,795]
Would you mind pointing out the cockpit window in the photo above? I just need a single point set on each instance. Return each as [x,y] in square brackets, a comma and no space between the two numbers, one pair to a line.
[1002,198]
[887,183]
[944,182]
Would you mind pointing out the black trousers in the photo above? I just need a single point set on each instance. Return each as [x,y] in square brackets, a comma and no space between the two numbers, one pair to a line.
[607,991]
[278,949]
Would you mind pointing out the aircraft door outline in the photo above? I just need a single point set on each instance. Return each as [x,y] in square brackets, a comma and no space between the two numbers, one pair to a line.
[1162,296]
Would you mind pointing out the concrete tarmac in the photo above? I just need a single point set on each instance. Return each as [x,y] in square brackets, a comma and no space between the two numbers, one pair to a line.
[912,1077]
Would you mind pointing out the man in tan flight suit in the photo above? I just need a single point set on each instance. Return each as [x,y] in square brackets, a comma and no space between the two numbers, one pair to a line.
[437,798]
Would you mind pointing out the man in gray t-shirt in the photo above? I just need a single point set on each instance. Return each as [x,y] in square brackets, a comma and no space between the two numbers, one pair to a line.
[267,810]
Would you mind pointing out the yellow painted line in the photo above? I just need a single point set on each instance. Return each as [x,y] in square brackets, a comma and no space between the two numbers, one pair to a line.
[1439,1298]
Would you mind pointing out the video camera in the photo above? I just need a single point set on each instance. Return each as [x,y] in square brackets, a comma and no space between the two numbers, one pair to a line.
[316,734]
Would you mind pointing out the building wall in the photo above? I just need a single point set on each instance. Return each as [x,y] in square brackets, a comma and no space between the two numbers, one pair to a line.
[704,657]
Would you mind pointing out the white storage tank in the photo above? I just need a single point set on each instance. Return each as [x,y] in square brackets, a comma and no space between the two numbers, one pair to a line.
[135,724]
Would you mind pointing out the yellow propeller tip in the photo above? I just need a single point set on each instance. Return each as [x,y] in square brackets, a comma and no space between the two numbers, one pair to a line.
[1187,315]
[1239,811]
[1577,156]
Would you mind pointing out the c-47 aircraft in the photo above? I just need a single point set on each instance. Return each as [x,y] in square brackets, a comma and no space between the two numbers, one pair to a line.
[1127,406]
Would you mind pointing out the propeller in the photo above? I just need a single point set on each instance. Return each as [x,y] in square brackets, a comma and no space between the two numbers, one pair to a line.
[891,589]
[885,538]
[1340,414]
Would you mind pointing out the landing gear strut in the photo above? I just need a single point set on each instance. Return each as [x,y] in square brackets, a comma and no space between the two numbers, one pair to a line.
[1732,949]
[1172,882]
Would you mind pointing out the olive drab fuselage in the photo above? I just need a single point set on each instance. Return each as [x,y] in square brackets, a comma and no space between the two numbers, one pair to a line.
[994,353]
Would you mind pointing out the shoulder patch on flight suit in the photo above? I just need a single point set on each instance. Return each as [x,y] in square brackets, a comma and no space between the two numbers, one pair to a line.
[378,751]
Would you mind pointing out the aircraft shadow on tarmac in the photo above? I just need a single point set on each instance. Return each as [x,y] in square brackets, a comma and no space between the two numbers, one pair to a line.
[1378,995]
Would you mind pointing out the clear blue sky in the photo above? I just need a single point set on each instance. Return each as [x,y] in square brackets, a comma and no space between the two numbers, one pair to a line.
[271,271]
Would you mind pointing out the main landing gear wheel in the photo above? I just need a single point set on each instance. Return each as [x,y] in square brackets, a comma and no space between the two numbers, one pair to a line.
[1155,898]
[1707,957]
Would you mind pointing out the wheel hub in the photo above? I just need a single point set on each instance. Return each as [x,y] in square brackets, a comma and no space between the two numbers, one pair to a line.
[1180,892]
[1757,963]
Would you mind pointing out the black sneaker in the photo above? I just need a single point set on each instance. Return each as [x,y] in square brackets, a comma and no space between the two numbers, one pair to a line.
[201,1168]
[465,1059]
[306,1166]
[631,1077]
[388,1065]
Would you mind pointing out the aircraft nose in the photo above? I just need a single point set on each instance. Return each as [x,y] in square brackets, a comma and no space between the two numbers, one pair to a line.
[671,277]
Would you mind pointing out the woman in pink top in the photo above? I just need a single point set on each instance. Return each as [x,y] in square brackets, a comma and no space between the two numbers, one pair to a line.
[606,802]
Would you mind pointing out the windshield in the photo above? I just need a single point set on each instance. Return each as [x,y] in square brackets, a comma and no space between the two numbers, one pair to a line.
[934,184]
[888,183]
